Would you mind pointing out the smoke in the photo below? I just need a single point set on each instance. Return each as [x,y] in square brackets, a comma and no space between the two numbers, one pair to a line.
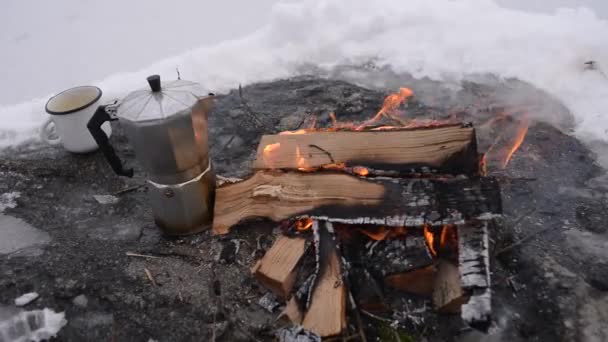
[442,40]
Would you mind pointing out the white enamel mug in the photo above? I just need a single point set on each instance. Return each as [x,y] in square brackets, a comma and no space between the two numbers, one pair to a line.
[70,112]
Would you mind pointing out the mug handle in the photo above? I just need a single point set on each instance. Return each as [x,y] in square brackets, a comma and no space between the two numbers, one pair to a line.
[45,132]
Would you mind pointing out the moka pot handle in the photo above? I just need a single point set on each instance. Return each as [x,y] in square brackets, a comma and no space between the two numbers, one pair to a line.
[94,126]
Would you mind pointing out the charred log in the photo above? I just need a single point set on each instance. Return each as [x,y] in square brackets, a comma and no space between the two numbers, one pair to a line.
[474,265]
[348,199]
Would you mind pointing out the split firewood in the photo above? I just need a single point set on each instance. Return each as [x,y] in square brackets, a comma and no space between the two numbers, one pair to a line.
[418,281]
[326,315]
[445,149]
[292,312]
[474,260]
[447,293]
[277,269]
[405,202]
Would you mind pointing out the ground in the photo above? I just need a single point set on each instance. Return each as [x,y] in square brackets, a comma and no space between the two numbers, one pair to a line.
[550,270]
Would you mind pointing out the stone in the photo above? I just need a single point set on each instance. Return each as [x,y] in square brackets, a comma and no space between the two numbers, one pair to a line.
[80,301]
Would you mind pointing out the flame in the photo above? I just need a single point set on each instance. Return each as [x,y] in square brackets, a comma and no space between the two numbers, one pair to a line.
[300,160]
[430,239]
[389,107]
[299,131]
[268,149]
[378,233]
[522,130]
[448,236]
[505,146]
[303,224]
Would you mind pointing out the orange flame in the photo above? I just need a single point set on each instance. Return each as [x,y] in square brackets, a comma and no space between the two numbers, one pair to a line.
[522,130]
[268,149]
[303,224]
[430,239]
[504,147]
[389,107]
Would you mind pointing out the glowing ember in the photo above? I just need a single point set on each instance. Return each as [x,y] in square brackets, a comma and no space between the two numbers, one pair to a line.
[303,224]
[430,239]
[361,171]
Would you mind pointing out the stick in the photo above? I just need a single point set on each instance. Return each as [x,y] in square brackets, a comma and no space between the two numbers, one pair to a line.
[522,240]
[125,190]
[131,254]
[150,277]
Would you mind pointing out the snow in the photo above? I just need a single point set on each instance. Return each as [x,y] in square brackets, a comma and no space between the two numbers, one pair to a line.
[36,325]
[441,39]
[25,299]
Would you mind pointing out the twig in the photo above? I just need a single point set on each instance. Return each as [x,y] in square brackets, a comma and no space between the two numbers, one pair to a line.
[324,151]
[371,315]
[522,240]
[131,254]
[150,277]
[129,189]
[360,326]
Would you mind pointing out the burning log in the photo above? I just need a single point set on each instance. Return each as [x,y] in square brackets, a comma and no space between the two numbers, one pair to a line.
[277,269]
[326,315]
[403,202]
[396,256]
[447,293]
[445,149]
[474,262]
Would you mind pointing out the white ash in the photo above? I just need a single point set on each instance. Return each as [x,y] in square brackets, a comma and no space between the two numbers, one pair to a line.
[80,301]
[36,325]
[269,302]
[316,234]
[7,200]
[106,199]
[478,307]
[26,299]
[297,334]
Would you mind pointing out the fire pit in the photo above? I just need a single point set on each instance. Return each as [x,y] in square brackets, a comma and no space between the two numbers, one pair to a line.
[376,206]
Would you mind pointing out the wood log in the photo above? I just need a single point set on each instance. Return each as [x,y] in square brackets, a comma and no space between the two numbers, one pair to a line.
[448,296]
[326,315]
[474,263]
[418,282]
[349,199]
[277,269]
[445,149]
[292,312]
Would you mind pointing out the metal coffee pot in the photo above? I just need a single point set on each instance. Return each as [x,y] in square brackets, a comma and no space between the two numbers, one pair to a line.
[167,126]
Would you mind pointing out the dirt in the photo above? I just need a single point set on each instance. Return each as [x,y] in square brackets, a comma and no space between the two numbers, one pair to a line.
[550,287]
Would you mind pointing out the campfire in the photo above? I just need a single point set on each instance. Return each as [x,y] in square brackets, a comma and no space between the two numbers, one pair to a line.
[363,208]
